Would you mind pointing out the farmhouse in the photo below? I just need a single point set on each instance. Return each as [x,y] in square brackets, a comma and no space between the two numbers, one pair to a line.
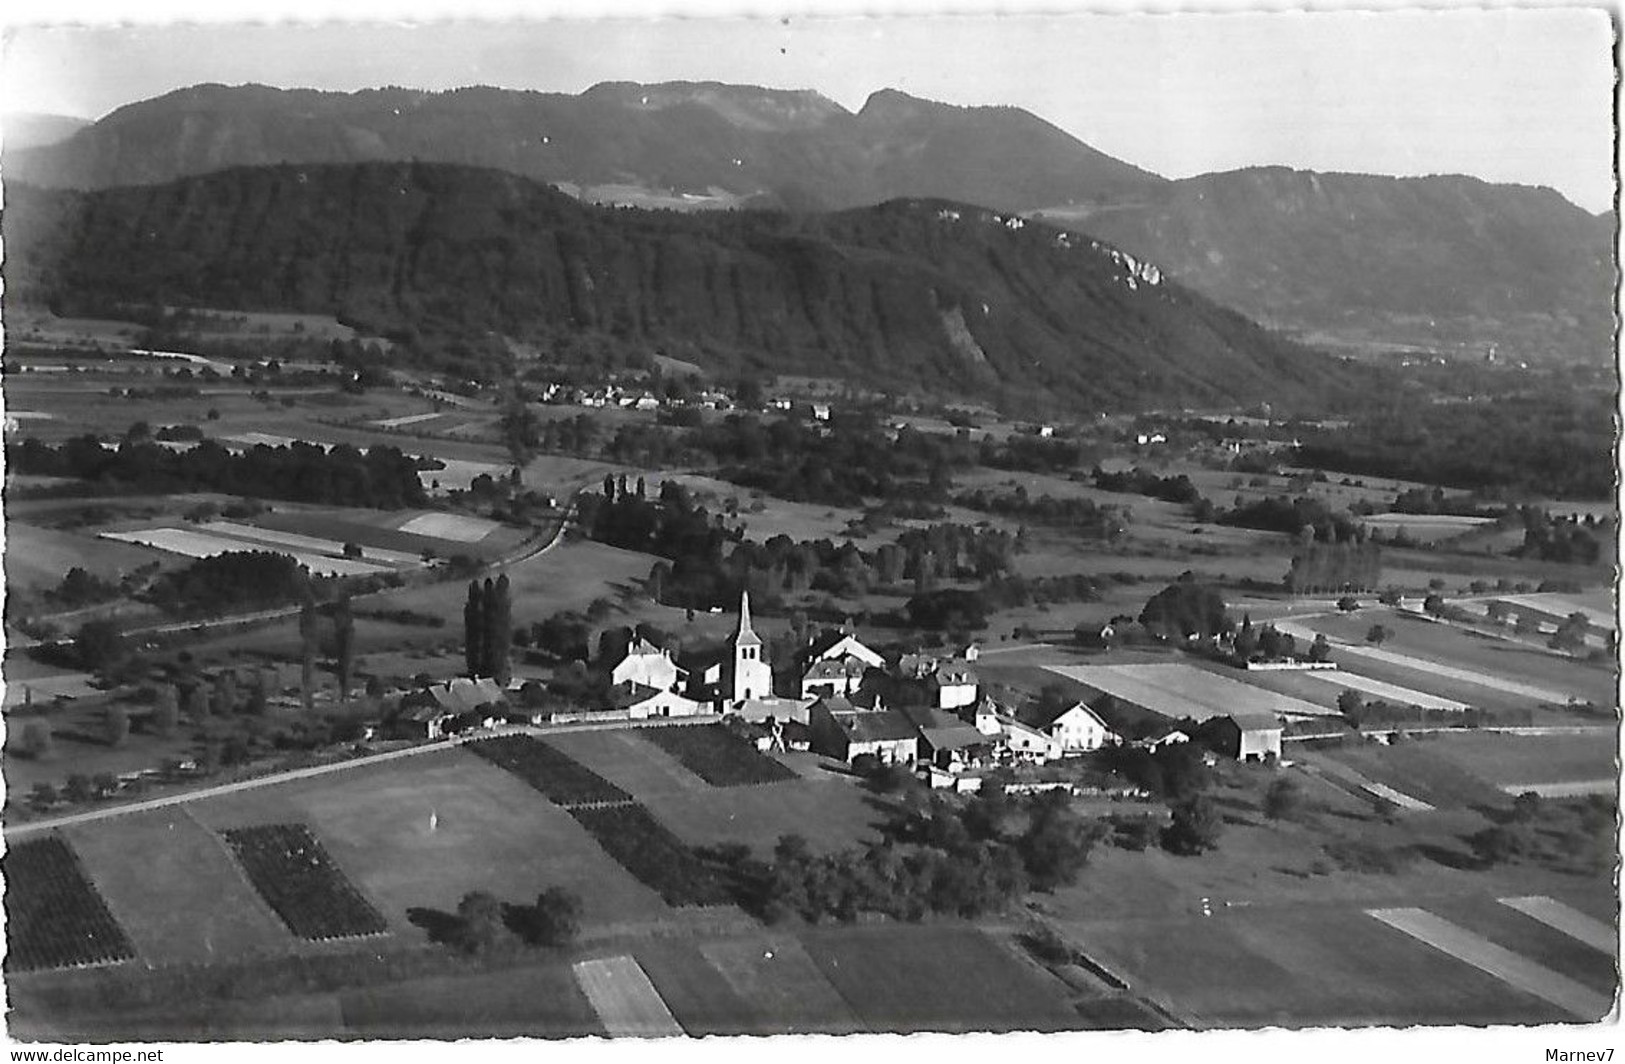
[835,664]
[758,710]
[1248,736]
[844,731]
[950,682]
[948,742]
[1028,743]
[1078,729]
[641,701]
[443,708]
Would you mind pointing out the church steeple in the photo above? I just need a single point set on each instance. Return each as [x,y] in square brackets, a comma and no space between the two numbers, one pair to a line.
[751,677]
[745,635]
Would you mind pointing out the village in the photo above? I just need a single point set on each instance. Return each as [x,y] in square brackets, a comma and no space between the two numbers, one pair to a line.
[841,700]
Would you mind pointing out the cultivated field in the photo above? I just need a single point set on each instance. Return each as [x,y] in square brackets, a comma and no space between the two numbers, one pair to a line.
[190,544]
[56,917]
[1384,692]
[829,809]
[1427,647]
[423,831]
[1180,690]
[190,907]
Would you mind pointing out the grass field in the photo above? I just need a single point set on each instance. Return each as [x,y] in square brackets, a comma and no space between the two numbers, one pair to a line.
[539,1001]
[1417,769]
[1299,968]
[778,978]
[193,906]
[1501,760]
[489,832]
[38,558]
[892,978]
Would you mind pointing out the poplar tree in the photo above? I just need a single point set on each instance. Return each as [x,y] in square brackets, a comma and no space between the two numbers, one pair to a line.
[474,630]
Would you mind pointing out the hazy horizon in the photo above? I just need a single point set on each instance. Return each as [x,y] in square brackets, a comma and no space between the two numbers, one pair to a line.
[1508,96]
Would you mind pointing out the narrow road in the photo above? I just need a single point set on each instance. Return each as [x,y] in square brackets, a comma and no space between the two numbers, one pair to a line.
[15,832]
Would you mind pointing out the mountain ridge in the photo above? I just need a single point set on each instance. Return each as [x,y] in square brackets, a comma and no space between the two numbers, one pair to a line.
[913,292]
[1370,264]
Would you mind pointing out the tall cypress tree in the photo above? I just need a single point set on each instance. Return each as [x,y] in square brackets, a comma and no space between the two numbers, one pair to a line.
[474,630]
[488,628]
[502,633]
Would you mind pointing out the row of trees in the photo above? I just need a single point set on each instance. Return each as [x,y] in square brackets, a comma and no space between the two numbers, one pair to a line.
[379,477]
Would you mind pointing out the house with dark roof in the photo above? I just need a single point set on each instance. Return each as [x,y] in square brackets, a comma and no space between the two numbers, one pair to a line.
[844,731]
[948,742]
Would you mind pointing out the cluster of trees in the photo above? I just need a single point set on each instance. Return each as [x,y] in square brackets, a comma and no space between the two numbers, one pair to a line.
[1562,540]
[856,460]
[379,477]
[1555,443]
[1336,565]
[1176,773]
[81,588]
[1083,515]
[936,857]
[700,575]
[1435,501]
[1291,515]
[234,580]
[1184,609]
[488,629]
[1139,481]
[1269,643]
[482,921]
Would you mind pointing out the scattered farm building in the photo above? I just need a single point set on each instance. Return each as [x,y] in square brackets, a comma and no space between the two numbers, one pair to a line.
[1248,736]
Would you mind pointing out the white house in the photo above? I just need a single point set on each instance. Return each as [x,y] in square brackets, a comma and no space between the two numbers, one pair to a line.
[1079,729]
[646,664]
[1029,743]
[954,683]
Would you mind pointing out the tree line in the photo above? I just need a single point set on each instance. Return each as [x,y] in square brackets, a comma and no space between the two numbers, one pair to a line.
[380,477]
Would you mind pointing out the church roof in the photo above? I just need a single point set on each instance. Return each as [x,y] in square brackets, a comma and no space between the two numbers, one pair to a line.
[745,635]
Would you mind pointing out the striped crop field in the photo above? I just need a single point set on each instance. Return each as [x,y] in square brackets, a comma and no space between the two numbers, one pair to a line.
[1178,691]
[1388,692]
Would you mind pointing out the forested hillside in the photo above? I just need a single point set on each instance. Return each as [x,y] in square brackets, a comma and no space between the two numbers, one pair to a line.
[910,294]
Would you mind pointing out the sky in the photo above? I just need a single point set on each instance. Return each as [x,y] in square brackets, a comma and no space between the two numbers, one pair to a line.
[1514,95]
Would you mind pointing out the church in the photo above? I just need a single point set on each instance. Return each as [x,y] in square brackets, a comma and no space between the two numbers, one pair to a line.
[736,673]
